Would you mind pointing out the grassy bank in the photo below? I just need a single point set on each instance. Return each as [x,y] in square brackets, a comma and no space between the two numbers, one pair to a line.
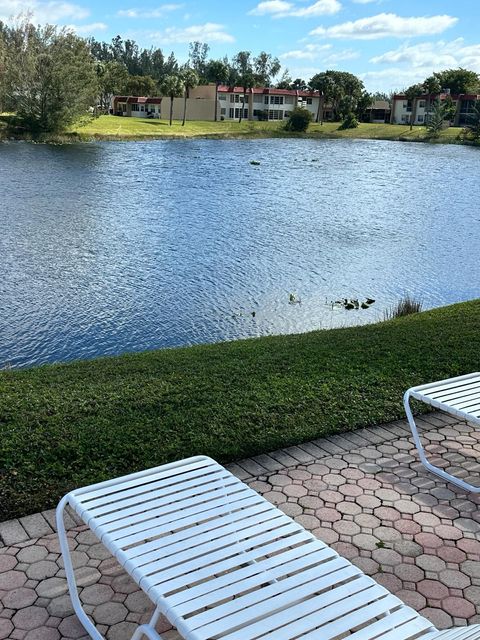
[66,425]
[119,127]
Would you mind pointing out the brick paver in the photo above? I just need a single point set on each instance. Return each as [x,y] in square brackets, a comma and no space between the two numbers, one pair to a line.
[364,493]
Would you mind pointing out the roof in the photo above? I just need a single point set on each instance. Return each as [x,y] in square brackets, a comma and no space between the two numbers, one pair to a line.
[433,96]
[268,91]
[138,99]
[380,104]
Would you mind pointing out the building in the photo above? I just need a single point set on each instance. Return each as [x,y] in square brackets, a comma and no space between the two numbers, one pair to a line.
[264,103]
[402,108]
[137,107]
[378,113]
[259,103]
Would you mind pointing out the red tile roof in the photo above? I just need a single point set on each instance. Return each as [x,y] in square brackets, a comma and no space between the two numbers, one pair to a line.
[268,91]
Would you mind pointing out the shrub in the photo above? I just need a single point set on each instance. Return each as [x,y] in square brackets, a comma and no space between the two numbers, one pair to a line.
[350,122]
[298,120]
[404,307]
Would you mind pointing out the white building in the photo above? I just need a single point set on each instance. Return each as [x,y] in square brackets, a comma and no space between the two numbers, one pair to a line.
[264,103]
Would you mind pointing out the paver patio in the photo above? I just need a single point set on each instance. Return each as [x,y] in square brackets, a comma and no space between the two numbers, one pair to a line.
[364,493]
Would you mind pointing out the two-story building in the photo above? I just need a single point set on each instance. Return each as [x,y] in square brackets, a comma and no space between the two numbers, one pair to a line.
[264,103]
[403,108]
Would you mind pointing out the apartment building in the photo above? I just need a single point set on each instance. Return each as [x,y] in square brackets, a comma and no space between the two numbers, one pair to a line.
[259,103]
[403,108]
[264,103]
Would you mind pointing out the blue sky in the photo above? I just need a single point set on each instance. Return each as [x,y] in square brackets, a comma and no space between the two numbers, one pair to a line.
[388,43]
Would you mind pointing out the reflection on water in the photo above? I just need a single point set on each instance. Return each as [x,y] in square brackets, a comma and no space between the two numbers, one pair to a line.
[114,247]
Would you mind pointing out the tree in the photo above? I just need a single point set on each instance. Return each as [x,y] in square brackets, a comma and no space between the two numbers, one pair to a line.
[50,76]
[140,86]
[412,94]
[285,81]
[458,80]
[112,80]
[324,84]
[349,122]
[298,120]
[364,102]
[473,121]
[173,87]
[217,71]
[299,84]
[436,121]
[197,58]
[432,87]
[242,63]
[190,80]
[334,87]
[265,68]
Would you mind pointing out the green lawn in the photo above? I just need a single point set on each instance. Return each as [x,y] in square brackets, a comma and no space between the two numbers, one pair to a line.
[117,126]
[66,425]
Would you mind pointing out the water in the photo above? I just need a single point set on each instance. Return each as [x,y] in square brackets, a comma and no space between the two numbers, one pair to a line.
[117,246]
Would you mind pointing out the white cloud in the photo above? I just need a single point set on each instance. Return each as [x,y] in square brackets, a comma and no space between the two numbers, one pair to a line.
[386,25]
[208,32]
[321,52]
[393,79]
[159,12]
[87,29]
[434,55]
[283,9]
[270,7]
[309,52]
[52,11]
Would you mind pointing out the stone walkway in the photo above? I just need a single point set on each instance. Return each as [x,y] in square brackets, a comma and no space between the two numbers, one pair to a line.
[363,493]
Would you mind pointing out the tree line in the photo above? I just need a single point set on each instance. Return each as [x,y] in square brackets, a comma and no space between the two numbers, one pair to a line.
[50,77]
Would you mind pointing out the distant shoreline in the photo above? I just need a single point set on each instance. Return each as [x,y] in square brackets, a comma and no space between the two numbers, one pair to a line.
[114,128]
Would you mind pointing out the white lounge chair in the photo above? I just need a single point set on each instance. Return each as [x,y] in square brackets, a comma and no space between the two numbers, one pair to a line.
[219,561]
[459,397]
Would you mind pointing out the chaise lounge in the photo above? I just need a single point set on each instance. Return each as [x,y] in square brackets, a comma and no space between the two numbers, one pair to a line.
[219,561]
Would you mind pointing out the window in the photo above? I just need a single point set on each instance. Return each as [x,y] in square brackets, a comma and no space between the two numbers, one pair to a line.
[421,104]
[309,101]
[276,99]
[244,115]
[223,111]
[142,107]
[221,96]
[265,100]
[135,107]
[420,118]
[275,114]
[232,98]
[409,106]
[230,112]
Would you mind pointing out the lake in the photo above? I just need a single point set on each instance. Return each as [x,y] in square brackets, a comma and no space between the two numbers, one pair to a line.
[113,247]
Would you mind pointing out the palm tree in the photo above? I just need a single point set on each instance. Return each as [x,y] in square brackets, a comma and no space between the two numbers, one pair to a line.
[173,87]
[412,94]
[242,63]
[322,83]
[218,72]
[190,81]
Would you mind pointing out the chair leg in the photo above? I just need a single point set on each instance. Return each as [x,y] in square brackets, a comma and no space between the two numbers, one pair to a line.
[148,629]
[421,452]
[70,574]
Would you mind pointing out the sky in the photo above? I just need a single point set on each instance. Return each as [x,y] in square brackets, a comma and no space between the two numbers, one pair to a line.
[389,44]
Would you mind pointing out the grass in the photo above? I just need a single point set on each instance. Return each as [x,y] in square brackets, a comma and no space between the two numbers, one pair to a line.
[404,307]
[67,425]
[121,127]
